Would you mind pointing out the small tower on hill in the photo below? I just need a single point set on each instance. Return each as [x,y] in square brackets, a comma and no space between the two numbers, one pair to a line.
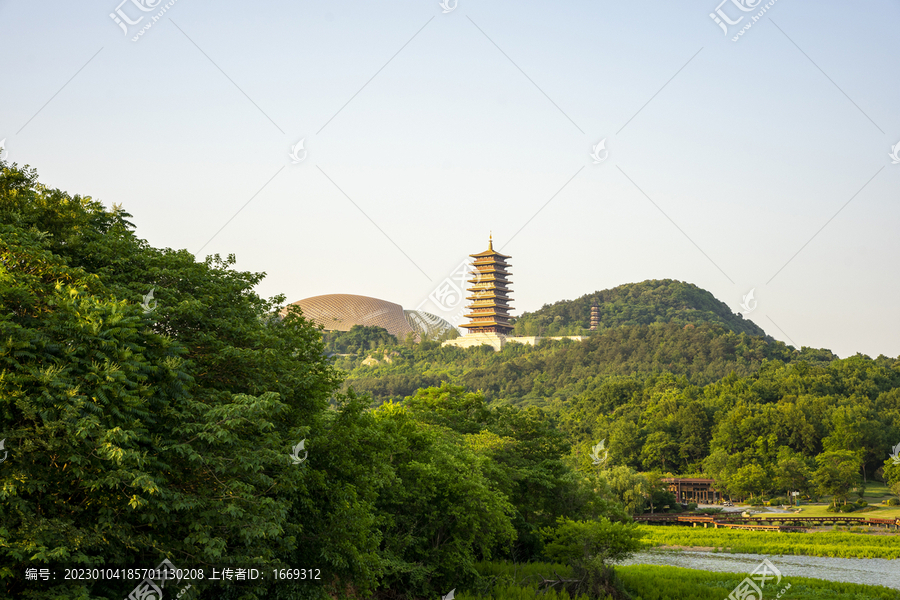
[595,317]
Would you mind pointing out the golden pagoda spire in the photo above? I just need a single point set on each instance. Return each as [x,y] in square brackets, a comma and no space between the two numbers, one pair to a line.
[491,241]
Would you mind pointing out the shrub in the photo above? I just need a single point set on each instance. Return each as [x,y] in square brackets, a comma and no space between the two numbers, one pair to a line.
[710,511]
[893,502]
[692,506]
[589,547]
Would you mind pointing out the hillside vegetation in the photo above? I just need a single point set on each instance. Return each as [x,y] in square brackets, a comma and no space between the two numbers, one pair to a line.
[644,303]
[564,369]
[760,417]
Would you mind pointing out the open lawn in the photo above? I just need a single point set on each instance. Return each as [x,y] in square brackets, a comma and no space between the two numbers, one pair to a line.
[819,510]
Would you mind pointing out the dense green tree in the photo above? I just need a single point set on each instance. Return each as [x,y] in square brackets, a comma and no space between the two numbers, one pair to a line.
[525,454]
[360,339]
[439,514]
[625,443]
[589,547]
[660,451]
[138,433]
[837,473]
[856,427]
[750,480]
[793,472]
[629,487]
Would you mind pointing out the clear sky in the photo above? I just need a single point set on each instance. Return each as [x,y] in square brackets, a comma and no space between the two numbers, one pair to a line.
[758,164]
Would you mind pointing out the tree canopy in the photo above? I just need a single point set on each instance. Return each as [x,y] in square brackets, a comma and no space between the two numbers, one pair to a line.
[644,303]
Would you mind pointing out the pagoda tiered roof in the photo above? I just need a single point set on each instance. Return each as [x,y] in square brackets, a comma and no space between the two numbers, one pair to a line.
[489,253]
[489,309]
[489,270]
[492,313]
[488,292]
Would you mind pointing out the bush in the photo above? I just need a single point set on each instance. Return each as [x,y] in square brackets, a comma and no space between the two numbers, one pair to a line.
[861,503]
[777,501]
[893,502]
[756,502]
[692,506]
[589,547]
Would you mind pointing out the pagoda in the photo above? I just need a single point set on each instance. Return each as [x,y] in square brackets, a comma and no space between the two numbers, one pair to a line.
[490,293]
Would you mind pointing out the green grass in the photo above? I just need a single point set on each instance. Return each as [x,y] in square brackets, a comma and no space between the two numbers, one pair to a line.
[835,544]
[517,581]
[819,510]
[508,581]
[647,582]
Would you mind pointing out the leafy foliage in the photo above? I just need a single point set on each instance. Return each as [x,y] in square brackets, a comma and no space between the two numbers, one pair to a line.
[644,303]
[561,370]
[360,338]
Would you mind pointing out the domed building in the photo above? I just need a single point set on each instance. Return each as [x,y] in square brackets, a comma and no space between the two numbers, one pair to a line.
[340,312]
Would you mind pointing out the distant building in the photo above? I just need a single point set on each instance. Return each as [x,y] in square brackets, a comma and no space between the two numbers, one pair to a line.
[595,317]
[490,298]
[701,491]
[340,312]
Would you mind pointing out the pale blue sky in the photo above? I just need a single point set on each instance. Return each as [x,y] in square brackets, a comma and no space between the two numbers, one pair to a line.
[725,158]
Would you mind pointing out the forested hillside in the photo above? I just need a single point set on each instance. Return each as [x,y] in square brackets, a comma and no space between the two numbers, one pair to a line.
[753,413]
[562,369]
[644,303]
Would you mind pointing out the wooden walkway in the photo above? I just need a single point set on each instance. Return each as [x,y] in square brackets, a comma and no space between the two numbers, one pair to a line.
[770,522]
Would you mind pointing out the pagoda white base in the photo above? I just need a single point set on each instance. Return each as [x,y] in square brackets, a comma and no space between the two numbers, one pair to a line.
[498,340]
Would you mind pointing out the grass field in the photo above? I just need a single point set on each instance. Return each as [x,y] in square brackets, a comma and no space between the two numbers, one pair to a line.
[819,510]
[508,581]
[836,544]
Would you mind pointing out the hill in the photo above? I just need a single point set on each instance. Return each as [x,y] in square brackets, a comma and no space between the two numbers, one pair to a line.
[522,374]
[644,303]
